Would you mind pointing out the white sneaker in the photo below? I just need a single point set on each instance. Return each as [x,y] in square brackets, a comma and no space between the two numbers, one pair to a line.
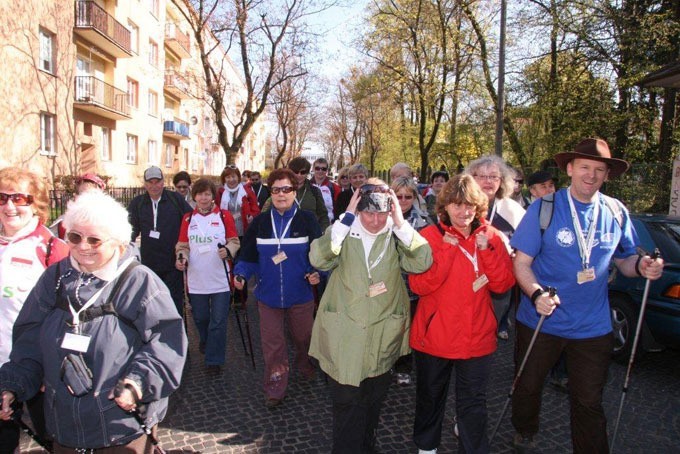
[403,378]
[455,426]
[431,451]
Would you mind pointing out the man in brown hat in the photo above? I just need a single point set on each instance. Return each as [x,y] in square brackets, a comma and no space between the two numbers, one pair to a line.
[586,232]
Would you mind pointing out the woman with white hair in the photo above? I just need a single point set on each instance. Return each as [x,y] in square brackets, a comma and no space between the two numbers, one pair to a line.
[497,181]
[101,333]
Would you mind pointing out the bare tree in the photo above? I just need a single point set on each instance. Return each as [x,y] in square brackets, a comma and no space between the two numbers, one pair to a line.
[262,34]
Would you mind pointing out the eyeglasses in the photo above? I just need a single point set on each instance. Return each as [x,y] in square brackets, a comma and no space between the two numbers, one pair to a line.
[369,188]
[300,172]
[404,197]
[18,199]
[284,189]
[181,186]
[493,178]
[344,177]
[519,181]
[77,238]
[320,169]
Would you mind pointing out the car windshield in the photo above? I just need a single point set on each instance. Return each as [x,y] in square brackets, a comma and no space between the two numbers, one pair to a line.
[666,236]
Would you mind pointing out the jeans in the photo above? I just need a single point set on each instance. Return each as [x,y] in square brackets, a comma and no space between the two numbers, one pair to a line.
[356,413]
[434,377]
[587,367]
[210,313]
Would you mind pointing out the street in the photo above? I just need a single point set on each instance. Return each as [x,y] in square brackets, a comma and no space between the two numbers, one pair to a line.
[226,414]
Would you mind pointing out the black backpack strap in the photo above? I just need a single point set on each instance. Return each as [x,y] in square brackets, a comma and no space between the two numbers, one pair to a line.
[545,213]
[108,308]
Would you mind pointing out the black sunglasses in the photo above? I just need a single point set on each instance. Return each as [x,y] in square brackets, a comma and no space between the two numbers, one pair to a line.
[369,188]
[18,199]
[320,169]
[301,172]
[77,238]
[284,189]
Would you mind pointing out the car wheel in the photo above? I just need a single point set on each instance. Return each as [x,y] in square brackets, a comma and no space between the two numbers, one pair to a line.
[624,321]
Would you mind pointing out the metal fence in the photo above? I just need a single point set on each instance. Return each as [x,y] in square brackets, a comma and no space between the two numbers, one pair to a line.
[59,199]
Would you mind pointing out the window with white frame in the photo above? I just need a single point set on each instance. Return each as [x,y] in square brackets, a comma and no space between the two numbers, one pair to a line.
[47,134]
[131,152]
[154,7]
[153,53]
[105,144]
[194,161]
[133,92]
[134,37]
[169,149]
[153,103]
[153,152]
[46,51]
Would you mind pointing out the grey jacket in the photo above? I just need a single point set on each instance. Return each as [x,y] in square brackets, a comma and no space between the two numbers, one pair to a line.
[144,342]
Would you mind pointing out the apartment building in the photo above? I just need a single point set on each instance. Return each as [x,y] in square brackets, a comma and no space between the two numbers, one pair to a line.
[111,87]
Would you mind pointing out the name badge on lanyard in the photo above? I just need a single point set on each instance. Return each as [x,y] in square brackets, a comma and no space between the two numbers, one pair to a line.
[376,289]
[586,275]
[76,342]
[280,257]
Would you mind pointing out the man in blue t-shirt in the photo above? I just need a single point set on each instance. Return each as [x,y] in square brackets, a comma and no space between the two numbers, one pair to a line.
[586,232]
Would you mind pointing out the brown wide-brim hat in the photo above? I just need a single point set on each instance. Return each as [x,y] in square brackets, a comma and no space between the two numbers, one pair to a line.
[597,150]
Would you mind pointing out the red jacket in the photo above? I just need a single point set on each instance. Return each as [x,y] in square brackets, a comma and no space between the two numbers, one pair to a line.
[453,321]
[249,205]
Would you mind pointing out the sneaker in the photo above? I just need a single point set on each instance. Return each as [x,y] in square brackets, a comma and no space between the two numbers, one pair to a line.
[455,426]
[430,451]
[503,335]
[403,379]
[271,402]
[523,444]
[560,384]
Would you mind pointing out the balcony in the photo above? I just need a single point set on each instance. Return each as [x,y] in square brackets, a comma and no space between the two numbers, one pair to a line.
[176,129]
[177,41]
[98,27]
[176,85]
[96,96]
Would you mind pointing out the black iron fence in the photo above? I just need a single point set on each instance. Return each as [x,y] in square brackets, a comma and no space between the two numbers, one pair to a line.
[59,199]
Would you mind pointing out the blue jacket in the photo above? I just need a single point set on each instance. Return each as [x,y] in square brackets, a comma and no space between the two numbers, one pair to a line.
[145,343]
[279,285]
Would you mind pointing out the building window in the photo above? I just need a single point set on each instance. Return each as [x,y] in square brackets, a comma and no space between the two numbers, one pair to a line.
[133,92]
[154,7]
[168,155]
[131,154]
[106,144]
[46,51]
[153,103]
[47,134]
[153,53]
[186,162]
[134,37]
[153,152]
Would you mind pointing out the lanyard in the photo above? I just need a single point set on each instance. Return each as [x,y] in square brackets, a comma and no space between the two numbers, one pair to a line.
[299,202]
[258,191]
[93,299]
[154,207]
[493,211]
[377,261]
[471,258]
[285,230]
[585,244]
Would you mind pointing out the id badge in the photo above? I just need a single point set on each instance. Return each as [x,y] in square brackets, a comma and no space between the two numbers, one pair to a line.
[278,258]
[376,289]
[586,275]
[204,249]
[480,282]
[76,342]
[154,234]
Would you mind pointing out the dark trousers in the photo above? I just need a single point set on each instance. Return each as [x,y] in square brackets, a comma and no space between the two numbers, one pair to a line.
[434,377]
[356,414]
[10,431]
[175,282]
[587,367]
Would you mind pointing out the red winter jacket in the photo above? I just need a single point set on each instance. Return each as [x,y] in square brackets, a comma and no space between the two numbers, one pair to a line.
[249,205]
[453,321]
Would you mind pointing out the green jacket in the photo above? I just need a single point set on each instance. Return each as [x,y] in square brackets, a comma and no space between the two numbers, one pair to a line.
[356,336]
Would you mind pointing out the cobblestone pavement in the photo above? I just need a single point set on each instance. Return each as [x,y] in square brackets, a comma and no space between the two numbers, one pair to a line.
[226,414]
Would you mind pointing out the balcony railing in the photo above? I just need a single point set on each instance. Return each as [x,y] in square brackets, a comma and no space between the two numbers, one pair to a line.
[177,41]
[176,84]
[103,98]
[91,16]
[176,129]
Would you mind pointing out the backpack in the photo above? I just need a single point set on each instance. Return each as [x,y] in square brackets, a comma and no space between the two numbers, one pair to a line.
[548,206]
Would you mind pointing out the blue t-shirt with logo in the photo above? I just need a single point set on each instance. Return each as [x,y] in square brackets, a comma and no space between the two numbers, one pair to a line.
[584,309]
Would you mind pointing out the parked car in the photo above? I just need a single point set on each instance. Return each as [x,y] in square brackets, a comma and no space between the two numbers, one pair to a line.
[662,316]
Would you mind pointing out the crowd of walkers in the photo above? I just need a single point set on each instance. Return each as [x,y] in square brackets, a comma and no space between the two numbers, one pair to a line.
[373,284]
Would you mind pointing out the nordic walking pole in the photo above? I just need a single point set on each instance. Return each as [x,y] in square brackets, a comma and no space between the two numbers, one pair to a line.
[552,291]
[185,289]
[238,317]
[244,295]
[638,328]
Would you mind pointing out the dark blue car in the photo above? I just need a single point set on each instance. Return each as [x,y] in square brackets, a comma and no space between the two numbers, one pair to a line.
[662,315]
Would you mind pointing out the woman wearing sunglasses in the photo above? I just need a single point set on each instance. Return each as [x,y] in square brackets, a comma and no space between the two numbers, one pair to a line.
[360,327]
[275,249]
[101,334]
[27,247]
[454,325]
